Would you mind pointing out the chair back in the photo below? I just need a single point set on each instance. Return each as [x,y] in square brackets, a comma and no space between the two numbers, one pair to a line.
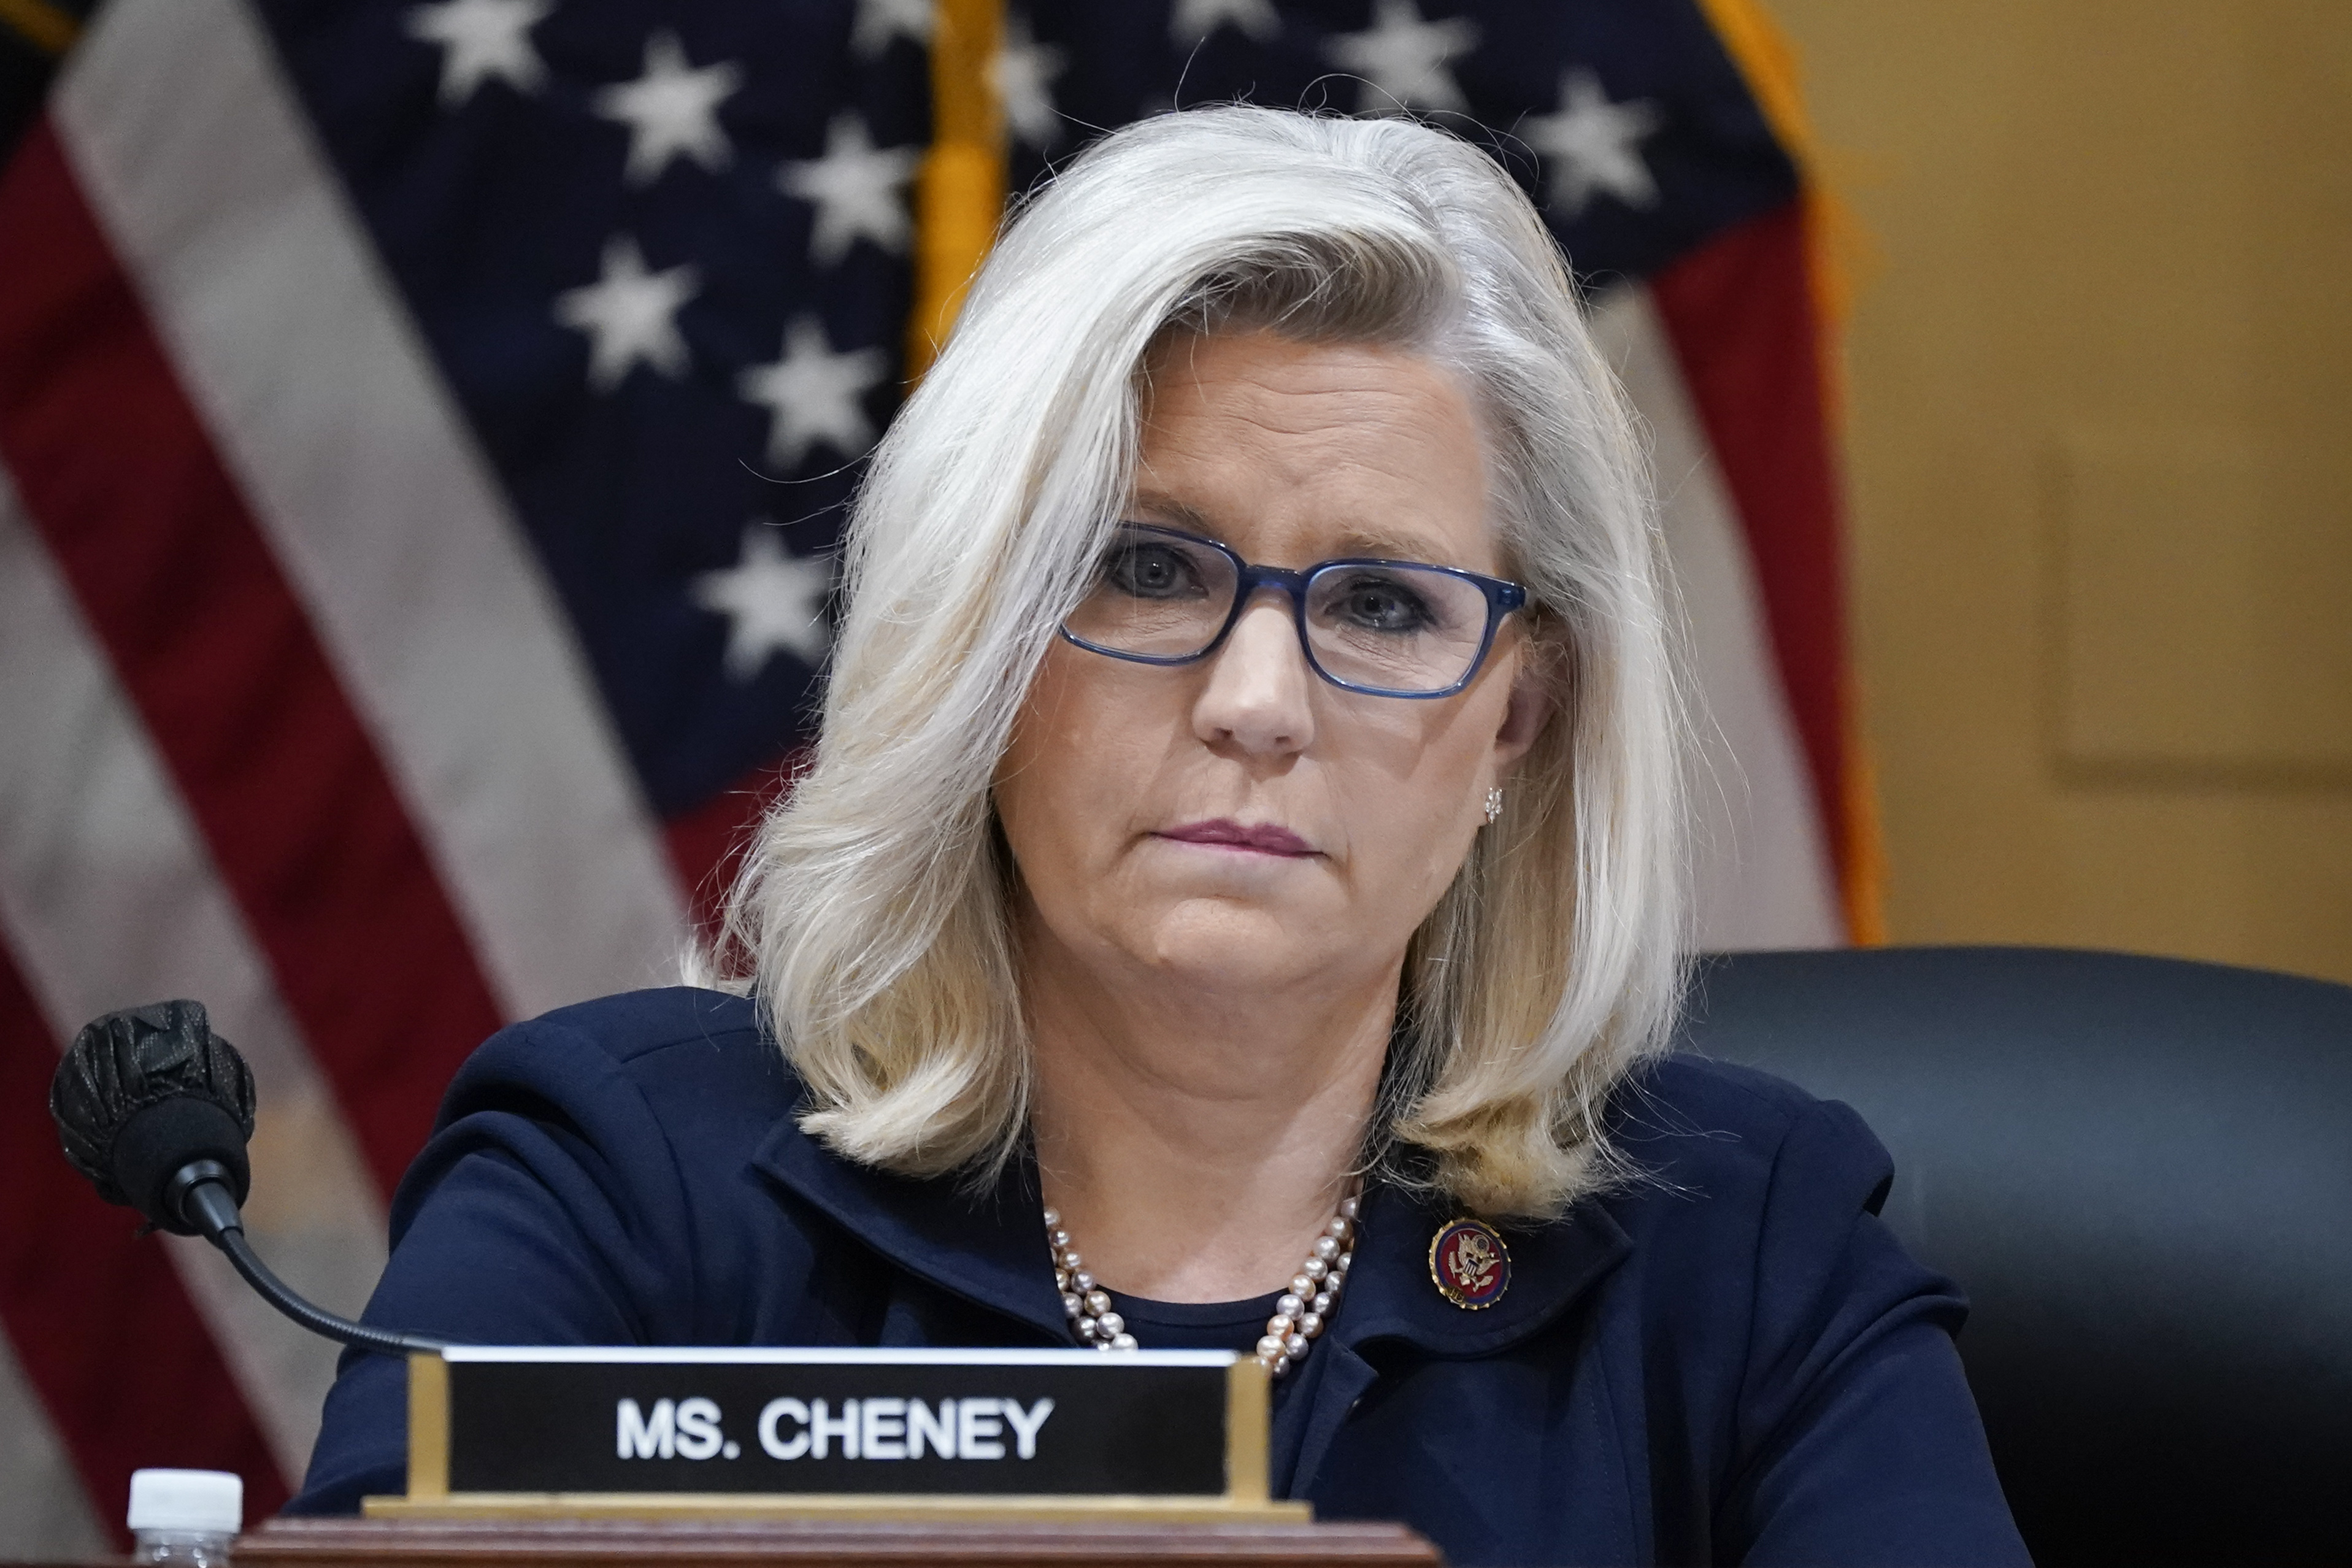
[2140,1171]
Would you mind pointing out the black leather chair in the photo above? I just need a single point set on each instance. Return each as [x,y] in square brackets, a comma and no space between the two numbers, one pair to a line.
[2140,1170]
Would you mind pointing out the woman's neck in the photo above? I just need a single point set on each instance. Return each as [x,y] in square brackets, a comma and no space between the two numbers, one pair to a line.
[1195,1150]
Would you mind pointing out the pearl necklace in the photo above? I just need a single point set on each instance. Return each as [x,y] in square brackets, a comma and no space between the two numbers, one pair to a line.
[1298,1317]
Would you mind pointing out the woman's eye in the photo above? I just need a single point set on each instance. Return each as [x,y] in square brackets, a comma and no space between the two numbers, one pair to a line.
[1150,571]
[1383,605]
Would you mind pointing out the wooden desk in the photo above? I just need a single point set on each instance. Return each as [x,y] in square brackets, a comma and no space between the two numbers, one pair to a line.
[605,1543]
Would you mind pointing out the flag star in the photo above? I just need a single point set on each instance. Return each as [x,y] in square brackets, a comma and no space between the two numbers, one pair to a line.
[1407,61]
[857,189]
[773,599]
[671,109]
[813,395]
[1020,73]
[881,21]
[1193,20]
[630,315]
[480,39]
[1592,146]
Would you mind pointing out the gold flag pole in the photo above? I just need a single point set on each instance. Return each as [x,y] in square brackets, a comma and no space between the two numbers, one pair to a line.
[960,188]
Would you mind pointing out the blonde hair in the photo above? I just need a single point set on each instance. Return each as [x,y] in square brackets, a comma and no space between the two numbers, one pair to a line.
[871,918]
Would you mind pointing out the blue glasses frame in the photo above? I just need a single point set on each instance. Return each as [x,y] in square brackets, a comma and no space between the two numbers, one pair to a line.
[1250,580]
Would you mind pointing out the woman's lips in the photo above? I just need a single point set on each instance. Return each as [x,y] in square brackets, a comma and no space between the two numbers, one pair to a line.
[1263,839]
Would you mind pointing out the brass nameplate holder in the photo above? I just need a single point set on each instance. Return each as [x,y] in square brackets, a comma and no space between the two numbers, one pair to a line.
[525,1433]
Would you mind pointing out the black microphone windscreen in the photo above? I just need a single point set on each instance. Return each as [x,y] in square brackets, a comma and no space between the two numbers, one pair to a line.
[144,1091]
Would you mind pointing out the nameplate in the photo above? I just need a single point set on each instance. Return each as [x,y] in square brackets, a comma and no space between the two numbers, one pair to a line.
[522,1432]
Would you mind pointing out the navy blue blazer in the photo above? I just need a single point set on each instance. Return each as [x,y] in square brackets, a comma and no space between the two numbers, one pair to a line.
[1731,1360]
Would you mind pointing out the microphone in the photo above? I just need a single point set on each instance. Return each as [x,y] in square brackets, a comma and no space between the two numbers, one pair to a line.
[155,1110]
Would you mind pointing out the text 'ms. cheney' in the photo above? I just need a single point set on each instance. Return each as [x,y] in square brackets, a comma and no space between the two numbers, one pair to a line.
[871,1428]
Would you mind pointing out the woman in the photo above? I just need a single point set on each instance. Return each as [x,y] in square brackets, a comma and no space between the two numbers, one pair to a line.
[1234,903]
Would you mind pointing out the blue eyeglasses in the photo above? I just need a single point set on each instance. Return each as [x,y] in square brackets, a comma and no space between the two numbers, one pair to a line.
[1387,628]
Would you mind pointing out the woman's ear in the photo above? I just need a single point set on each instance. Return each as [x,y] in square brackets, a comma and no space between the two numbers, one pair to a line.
[1530,710]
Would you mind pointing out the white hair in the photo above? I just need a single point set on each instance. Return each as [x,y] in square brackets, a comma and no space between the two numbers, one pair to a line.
[871,918]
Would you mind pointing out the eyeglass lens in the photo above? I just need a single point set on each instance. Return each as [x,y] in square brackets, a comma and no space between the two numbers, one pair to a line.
[1393,627]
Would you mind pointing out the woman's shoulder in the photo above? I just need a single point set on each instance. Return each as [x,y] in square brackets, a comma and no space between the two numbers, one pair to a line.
[690,1071]
[643,1035]
[1697,1085]
[630,1026]
[1701,1133]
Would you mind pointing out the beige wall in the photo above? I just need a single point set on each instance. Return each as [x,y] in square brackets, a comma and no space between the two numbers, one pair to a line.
[2100,426]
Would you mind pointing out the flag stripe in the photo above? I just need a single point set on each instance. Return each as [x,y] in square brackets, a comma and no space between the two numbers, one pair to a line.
[1741,315]
[111,900]
[1762,872]
[362,476]
[115,471]
[45,1515]
[123,1363]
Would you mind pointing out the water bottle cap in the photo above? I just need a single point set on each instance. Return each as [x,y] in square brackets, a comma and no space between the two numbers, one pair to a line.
[205,1501]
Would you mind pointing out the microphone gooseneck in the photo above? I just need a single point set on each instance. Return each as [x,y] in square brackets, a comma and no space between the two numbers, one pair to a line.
[318,1319]
[155,1108]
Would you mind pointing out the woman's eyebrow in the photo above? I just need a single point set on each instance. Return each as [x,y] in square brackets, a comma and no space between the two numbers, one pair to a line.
[1176,514]
[1358,540]
[1388,546]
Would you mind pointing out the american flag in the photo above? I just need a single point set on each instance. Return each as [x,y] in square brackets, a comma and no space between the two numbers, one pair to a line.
[425,429]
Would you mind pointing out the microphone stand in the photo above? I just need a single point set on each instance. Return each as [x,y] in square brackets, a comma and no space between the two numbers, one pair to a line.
[201,1194]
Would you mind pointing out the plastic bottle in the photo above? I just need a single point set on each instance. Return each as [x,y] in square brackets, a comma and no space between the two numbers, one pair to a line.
[187,1517]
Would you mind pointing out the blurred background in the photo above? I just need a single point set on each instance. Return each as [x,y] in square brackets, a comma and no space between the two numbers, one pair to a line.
[2099,465]
[424,425]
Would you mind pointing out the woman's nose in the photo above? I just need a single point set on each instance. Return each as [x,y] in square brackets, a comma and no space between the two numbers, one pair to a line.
[1259,691]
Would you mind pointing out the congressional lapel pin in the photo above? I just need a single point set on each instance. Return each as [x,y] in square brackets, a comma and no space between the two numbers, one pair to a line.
[1469,1264]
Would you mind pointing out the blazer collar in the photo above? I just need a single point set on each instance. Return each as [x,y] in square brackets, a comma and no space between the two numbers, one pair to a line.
[987,1246]
[1392,1299]
[1391,1294]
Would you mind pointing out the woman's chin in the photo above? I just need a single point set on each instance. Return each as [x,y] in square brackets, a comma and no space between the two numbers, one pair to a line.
[1237,944]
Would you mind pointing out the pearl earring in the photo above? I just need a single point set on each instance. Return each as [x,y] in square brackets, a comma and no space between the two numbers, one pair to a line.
[1494,805]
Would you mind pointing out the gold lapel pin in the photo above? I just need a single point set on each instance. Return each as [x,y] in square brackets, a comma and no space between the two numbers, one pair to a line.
[1469,1264]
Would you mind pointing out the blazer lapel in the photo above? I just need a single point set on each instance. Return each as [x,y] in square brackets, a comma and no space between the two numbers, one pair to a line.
[1391,1299]
[986,1246]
